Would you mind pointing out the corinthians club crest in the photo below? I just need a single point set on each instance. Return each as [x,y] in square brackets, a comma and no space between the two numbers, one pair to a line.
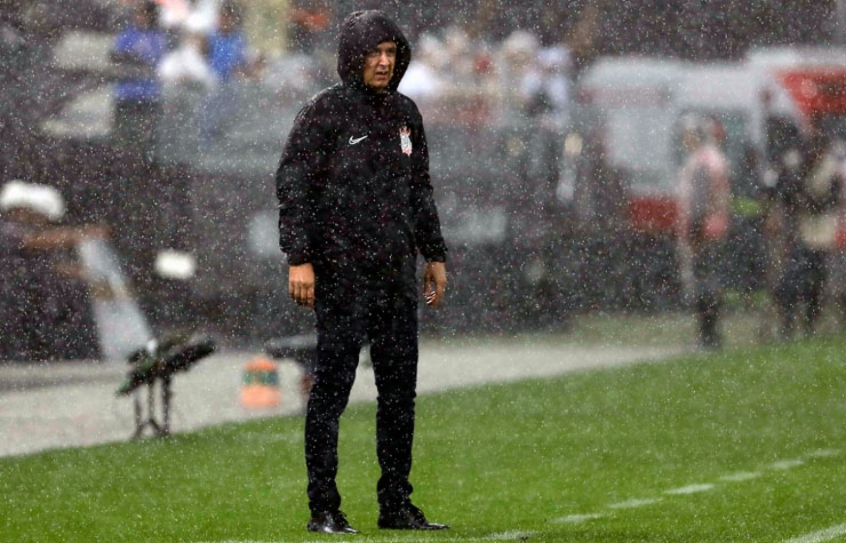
[405,140]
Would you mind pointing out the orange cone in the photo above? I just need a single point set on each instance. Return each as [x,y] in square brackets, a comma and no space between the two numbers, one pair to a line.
[260,388]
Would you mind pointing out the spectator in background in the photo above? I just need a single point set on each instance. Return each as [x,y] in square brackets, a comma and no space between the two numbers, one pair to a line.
[138,50]
[422,81]
[703,226]
[227,46]
[44,310]
[545,89]
[188,81]
[262,25]
[747,244]
[458,50]
[187,64]
[517,63]
[837,269]
[228,60]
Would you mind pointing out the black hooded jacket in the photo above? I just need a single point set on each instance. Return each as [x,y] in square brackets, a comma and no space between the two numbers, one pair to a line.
[353,181]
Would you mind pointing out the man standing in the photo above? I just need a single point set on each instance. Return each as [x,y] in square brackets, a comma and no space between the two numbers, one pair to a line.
[355,207]
[810,198]
[138,50]
[704,222]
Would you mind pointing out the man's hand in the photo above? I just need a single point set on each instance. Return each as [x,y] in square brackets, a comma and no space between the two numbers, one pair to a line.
[301,284]
[434,283]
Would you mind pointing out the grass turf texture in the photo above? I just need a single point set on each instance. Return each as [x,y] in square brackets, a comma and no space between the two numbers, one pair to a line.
[500,462]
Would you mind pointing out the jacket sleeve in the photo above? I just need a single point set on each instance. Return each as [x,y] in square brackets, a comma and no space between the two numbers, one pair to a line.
[427,226]
[299,165]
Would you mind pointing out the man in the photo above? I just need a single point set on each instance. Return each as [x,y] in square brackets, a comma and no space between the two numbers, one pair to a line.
[355,206]
[703,228]
[138,50]
[227,57]
[810,198]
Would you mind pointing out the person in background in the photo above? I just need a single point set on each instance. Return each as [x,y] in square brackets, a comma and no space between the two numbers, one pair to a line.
[355,207]
[703,226]
[517,64]
[747,243]
[545,89]
[227,46]
[138,50]
[227,55]
[422,81]
[811,201]
[187,64]
[44,310]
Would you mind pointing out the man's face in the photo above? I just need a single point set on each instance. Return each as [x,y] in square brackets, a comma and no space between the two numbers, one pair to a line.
[379,66]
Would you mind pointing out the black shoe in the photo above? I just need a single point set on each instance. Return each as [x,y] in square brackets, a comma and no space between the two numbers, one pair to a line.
[333,522]
[408,518]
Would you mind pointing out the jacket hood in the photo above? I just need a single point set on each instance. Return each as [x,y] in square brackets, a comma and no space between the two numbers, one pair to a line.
[360,33]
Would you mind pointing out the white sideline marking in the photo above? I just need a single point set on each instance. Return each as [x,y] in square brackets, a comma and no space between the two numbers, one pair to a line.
[782,465]
[823,535]
[631,504]
[690,489]
[575,519]
[513,535]
[823,453]
[740,476]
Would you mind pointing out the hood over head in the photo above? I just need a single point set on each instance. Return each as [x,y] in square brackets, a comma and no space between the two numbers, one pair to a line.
[360,33]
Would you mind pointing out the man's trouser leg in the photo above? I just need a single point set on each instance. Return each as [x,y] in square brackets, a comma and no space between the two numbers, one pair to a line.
[393,349]
[708,287]
[708,315]
[817,275]
[338,347]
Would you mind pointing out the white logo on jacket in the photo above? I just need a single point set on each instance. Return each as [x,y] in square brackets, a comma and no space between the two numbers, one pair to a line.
[405,140]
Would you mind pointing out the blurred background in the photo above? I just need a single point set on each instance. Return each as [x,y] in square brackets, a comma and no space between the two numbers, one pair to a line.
[554,127]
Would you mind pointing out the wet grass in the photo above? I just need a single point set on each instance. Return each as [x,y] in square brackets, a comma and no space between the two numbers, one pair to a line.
[638,453]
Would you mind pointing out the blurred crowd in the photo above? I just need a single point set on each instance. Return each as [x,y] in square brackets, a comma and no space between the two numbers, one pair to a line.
[207,45]
[177,43]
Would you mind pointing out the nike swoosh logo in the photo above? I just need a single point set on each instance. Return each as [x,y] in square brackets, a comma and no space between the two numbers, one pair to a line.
[353,140]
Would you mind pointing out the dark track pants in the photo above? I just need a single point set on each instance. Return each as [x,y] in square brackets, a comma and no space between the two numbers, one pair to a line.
[386,315]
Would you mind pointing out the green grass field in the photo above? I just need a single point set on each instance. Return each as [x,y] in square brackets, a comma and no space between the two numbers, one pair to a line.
[748,445]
